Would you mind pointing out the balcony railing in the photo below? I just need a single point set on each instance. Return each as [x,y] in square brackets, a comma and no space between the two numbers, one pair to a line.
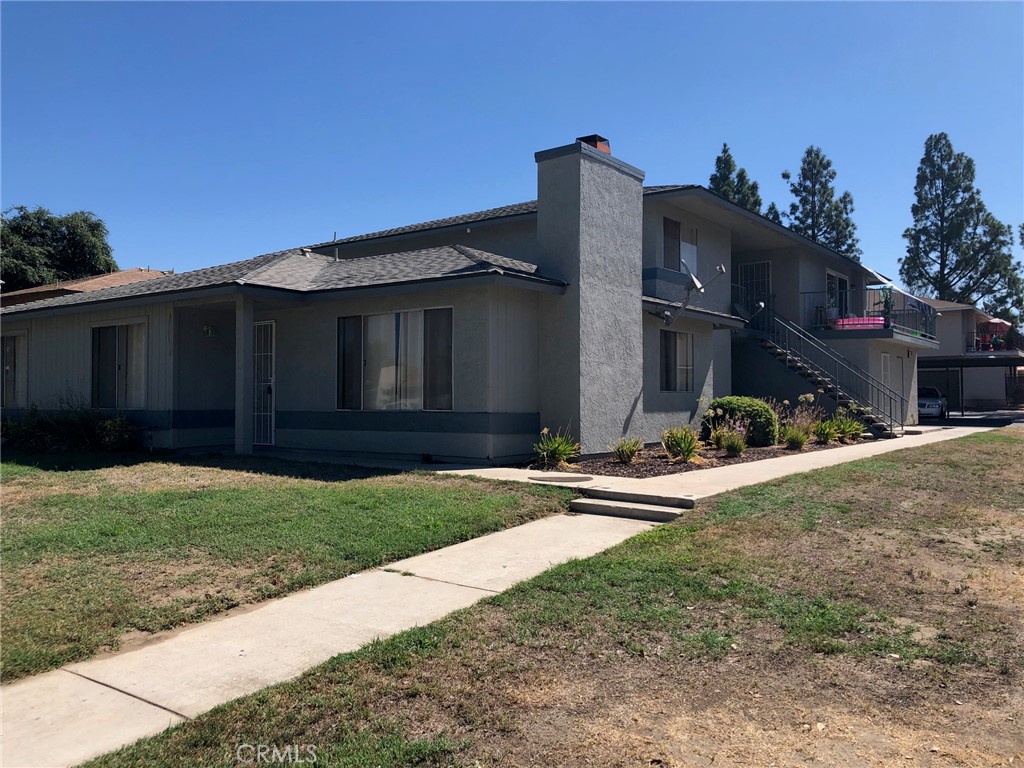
[1009,341]
[867,309]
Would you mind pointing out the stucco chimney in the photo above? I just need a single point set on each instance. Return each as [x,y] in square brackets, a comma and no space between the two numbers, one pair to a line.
[590,235]
[598,142]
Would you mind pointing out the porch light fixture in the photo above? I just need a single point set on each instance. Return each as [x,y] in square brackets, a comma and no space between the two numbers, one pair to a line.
[209,331]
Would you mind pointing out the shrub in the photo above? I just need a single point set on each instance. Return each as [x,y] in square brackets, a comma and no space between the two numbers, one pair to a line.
[794,438]
[72,428]
[763,424]
[555,450]
[734,443]
[116,434]
[680,444]
[804,416]
[626,449]
[848,427]
[825,431]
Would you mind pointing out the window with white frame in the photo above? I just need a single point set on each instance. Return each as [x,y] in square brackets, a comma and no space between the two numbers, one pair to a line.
[119,366]
[15,372]
[676,362]
[396,361]
[680,246]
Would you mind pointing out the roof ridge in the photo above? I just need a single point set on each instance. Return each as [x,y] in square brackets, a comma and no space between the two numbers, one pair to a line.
[277,257]
[499,212]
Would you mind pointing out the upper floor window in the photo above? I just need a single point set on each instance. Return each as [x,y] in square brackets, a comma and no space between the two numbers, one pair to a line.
[119,366]
[12,393]
[396,361]
[680,246]
[676,362]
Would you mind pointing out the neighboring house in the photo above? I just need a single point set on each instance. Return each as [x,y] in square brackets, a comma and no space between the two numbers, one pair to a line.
[461,338]
[82,285]
[980,360]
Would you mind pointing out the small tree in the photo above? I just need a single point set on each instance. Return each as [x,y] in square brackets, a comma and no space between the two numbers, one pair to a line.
[38,247]
[816,213]
[956,249]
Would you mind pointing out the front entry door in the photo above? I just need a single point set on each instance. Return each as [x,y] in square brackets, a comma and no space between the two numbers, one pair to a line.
[263,382]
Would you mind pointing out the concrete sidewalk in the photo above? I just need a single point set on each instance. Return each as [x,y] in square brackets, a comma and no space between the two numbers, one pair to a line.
[69,715]
[709,482]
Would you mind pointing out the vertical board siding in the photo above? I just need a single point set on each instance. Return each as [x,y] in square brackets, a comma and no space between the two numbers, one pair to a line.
[516,351]
[60,355]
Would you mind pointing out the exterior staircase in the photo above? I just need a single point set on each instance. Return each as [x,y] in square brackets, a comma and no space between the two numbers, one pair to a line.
[877,405]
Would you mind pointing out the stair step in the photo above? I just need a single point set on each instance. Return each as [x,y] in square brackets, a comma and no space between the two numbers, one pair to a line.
[628,509]
[611,494]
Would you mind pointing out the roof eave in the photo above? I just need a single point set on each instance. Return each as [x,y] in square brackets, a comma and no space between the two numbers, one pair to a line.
[697,190]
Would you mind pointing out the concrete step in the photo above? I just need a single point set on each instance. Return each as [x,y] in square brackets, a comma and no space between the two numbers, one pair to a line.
[611,494]
[628,509]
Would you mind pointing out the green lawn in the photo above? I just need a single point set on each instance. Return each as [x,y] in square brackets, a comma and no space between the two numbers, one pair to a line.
[861,614]
[95,548]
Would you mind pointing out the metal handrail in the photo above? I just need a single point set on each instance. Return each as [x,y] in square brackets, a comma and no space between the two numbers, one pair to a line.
[841,374]
[889,307]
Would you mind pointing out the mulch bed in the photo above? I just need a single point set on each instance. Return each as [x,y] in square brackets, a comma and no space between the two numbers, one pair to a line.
[653,462]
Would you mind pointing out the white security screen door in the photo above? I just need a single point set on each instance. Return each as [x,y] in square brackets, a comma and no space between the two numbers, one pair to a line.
[263,382]
[756,280]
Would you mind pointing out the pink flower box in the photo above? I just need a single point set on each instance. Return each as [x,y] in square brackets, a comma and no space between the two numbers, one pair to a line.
[858,323]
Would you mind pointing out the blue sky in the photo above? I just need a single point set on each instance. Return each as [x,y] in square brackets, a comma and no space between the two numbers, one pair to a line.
[208,132]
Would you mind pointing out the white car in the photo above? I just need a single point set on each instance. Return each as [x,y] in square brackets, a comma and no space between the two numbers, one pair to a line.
[930,402]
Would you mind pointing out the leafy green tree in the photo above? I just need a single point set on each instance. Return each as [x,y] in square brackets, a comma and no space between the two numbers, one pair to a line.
[817,213]
[734,184]
[773,213]
[956,249]
[38,247]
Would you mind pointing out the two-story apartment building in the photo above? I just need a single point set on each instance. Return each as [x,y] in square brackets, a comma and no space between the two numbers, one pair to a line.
[603,307]
[979,361]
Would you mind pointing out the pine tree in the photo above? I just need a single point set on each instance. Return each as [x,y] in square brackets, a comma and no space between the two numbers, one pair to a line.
[817,213]
[734,184]
[747,193]
[723,180]
[956,249]
[773,213]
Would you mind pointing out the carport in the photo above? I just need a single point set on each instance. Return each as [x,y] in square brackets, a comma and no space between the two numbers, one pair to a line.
[947,374]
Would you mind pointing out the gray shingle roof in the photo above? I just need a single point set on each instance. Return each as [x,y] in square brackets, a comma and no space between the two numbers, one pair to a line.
[518,209]
[506,211]
[299,269]
[222,274]
[302,270]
